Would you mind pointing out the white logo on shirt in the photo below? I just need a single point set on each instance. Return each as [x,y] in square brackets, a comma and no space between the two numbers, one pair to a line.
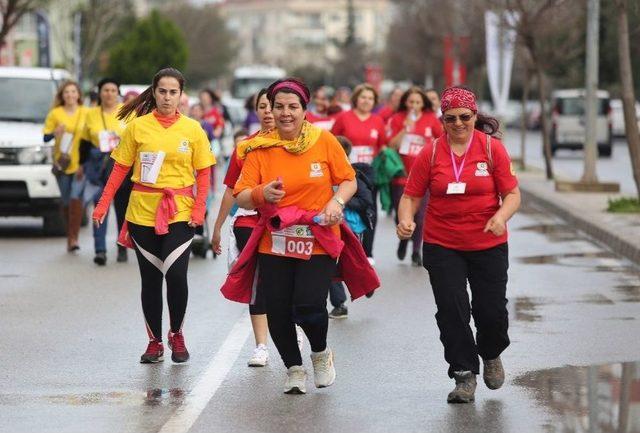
[184,146]
[374,133]
[482,169]
[316,170]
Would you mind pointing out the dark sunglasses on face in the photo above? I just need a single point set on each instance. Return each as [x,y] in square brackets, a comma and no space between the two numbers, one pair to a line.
[450,118]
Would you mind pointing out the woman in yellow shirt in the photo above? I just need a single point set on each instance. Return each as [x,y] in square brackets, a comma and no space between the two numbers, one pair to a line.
[101,135]
[65,123]
[169,154]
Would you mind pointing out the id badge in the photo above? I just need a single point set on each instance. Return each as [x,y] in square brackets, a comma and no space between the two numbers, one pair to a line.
[65,142]
[295,242]
[109,140]
[456,188]
[150,165]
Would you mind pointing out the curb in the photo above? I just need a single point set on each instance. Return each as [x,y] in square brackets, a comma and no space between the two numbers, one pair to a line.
[612,240]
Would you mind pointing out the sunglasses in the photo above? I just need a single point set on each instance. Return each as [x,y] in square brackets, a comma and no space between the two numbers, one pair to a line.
[450,118]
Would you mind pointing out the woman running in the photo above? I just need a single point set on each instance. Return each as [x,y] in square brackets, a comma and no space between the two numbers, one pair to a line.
[243,223]
[169,153]
[101,136]
[65,123]
[293,169]
[410,129]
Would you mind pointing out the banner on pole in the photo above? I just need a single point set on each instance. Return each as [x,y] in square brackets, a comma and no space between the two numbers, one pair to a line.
[500,47]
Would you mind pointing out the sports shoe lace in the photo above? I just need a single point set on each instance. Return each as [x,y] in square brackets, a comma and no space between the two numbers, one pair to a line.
[177,343]
[153,347]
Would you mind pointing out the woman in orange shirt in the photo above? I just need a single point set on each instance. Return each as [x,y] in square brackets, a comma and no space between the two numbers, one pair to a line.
[297,164]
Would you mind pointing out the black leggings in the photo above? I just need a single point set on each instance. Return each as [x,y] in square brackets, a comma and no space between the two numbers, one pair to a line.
[121,200]
[258,306]
[163,257]
[369,234]
[296,293]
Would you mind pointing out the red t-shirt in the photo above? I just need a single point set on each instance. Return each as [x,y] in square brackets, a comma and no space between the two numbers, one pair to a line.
[367,136]
[324,122]
[457,221]
[230,179]
[425,130]
[386,112]
[214,117]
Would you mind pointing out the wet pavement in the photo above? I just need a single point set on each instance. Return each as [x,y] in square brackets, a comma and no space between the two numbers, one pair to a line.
[72,334]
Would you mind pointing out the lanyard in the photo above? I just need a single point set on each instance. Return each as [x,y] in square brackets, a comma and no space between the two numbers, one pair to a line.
[457,171]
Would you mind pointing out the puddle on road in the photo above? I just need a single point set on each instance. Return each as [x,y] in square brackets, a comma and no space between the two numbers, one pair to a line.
[526,309]
[569,259]
[630,292]
[602,398]
[555,232]
[153,397]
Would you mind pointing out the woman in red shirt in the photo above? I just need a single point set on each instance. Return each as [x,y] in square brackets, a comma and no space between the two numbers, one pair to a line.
[367,132]
[410,129]
[473,193]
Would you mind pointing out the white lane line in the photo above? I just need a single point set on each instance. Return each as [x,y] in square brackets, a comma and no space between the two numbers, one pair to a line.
[195,402]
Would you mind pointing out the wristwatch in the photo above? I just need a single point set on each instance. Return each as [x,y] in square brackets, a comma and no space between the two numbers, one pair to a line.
[339,200]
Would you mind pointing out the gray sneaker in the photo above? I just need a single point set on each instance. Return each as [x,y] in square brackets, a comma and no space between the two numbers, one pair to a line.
[324,373]
[493,373]
[339,312]
[465,389]
[296,380]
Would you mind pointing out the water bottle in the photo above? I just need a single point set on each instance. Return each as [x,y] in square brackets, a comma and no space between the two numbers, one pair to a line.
[321,219]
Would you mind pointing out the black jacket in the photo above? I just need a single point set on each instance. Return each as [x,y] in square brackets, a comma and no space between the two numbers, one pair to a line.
[362,201]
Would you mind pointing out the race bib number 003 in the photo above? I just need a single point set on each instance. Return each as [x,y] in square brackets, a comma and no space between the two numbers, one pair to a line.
[295,241]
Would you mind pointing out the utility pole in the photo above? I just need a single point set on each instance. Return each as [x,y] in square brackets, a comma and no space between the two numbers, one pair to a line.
[591,97]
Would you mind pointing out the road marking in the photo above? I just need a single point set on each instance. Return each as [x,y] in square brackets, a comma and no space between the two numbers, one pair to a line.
[215,373]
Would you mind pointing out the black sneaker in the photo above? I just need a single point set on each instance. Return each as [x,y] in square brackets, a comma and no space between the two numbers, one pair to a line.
[402,250]
[122,254]
[100,259]
[339,312]
[416,259]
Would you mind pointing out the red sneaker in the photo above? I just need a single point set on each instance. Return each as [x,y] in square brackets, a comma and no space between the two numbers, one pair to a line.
[154,353]
[179,352]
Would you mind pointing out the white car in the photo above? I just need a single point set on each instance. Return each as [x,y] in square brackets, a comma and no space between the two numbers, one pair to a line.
[27,186]
[617,117]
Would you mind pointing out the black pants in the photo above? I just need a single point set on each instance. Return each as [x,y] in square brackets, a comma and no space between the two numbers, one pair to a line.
[486,271]
[337,294]
[369,234]
[163,257]
[296,293]
[258,306]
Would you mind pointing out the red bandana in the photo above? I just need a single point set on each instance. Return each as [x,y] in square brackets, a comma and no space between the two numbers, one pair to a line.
[456,97]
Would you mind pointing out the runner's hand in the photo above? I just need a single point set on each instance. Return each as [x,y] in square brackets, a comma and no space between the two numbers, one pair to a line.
[215,242]
[405,229]
[496,225]
[273,191]
[57,133]
[333,212]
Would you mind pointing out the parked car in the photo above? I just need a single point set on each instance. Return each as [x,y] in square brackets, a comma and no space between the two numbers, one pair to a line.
[27,186]
[568,130]
[617,117]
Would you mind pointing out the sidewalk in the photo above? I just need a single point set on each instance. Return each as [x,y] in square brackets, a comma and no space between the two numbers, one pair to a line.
[586,212]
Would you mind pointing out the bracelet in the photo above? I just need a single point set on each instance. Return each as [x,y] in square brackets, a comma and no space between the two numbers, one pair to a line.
[339,200]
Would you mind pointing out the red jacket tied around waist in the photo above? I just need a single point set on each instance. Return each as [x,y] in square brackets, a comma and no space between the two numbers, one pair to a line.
[353,267]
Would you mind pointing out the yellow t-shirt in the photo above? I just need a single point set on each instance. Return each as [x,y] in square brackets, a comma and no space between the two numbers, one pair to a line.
[97,121]
[186,148]
[73,124]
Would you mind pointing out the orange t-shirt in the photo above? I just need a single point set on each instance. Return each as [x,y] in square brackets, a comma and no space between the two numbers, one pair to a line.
[308,178]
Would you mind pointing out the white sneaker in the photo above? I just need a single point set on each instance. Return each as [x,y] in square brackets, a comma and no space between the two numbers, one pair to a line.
[324,373]
[260,356]
[296,380]
[300,337]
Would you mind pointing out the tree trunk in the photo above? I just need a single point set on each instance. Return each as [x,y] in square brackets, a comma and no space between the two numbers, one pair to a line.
[628,94]
[523,125]
[544,120]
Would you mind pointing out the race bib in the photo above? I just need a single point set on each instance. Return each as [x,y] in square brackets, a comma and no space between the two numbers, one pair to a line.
[361,154]
[65,142]
[150,165]
[109,140]
[411,144]
[295,241]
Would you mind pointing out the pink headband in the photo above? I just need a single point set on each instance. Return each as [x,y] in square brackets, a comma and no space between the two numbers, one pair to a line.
[292,86]
[456,97]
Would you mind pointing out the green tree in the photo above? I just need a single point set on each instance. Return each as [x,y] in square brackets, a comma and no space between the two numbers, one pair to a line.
[212,46]
[153,43]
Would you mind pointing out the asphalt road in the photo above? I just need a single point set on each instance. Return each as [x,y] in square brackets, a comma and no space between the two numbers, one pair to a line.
[72,334]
